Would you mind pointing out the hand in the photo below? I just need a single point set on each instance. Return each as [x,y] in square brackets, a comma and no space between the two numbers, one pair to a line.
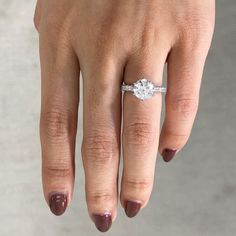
[111,41]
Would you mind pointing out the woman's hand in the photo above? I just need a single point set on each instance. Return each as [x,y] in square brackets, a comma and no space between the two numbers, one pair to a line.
[111,41]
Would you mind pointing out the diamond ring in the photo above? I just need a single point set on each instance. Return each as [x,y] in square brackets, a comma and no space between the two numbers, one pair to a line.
[143,89]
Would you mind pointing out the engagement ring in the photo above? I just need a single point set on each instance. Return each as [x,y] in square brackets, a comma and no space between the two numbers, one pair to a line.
[143,89]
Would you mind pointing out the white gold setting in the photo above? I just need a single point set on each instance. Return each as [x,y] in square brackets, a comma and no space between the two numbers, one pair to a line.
[143,89]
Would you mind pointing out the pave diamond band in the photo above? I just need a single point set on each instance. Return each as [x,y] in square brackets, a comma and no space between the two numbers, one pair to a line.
[143,89]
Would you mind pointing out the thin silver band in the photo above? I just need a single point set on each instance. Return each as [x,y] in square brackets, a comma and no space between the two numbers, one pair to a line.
[130,88]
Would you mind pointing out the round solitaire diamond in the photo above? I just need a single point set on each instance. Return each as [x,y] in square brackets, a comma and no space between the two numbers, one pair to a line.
[143,89]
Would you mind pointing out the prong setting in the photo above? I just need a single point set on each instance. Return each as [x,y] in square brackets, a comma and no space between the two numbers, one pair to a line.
[143,89]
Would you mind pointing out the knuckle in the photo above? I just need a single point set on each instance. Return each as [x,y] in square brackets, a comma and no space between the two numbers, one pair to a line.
[36,22]
[196,30]
[55,28]
[57,124]
[99,87]
[192,41]
[185,106]
[60,170]
[105,40]
[54,33]
[99,149]
[138,184]
[140,133]
[177,138]
[52,23]
[52,27]
[98,197]
[37,17]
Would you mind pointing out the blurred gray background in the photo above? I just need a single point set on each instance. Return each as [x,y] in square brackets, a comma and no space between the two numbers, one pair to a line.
[193,195]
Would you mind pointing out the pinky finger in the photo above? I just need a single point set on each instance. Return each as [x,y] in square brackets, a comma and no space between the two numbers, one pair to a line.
[185,68]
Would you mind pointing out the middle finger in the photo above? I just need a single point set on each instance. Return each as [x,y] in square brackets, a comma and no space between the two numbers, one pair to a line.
[101,141]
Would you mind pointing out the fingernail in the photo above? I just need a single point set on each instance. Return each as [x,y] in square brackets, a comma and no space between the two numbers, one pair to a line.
[168,154]
[132,208]
[102,221]
[58,203]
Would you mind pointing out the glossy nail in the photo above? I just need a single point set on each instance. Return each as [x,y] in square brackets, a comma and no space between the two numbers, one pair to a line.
[132,208]
[168,154]
[102,221]
[58,203]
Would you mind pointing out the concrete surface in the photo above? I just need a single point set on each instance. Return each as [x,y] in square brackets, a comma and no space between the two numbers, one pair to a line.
[194,195]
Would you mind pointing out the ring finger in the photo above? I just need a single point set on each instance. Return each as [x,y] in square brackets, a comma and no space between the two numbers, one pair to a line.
[141,130]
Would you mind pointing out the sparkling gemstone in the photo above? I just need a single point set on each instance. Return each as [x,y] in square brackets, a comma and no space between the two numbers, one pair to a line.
[143,89]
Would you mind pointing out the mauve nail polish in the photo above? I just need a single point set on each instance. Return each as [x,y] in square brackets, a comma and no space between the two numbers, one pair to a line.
[102,221]
[58,203]
[168,154]
[132,208]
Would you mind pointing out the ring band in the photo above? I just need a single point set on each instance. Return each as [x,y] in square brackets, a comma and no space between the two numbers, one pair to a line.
[143,89]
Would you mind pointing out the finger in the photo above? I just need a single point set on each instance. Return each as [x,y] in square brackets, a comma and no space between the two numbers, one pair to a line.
[185,68]
[141,131]
[59,107]
[101,141]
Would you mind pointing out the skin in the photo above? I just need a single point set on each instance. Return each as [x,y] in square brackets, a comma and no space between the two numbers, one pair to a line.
[111,41]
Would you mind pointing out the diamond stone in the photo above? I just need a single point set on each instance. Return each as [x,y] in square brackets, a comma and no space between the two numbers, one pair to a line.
[143,89]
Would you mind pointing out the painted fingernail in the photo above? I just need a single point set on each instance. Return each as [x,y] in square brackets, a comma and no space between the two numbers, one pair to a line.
[132,208]
[58,203]
[168,154]
[102,221]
